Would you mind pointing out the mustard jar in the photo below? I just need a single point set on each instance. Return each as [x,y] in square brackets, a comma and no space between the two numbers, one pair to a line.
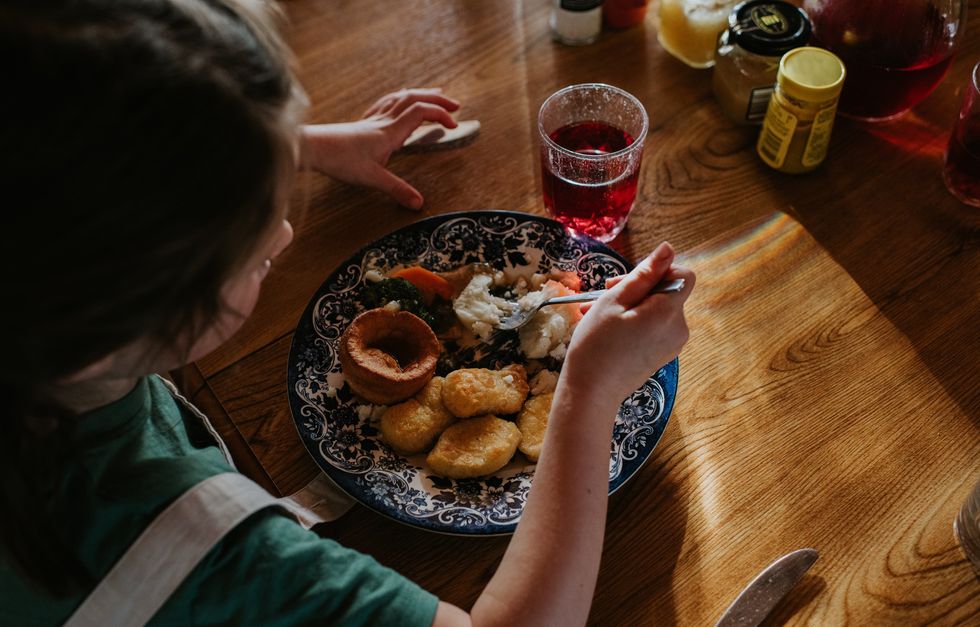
[759,33]
[796,130]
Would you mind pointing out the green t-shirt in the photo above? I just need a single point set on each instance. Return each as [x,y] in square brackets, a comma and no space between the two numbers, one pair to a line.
[132,458]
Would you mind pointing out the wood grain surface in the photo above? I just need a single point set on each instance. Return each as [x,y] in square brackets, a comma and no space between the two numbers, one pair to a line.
[829,395]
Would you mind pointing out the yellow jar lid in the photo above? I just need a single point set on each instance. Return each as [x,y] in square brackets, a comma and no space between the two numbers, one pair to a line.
[811,74]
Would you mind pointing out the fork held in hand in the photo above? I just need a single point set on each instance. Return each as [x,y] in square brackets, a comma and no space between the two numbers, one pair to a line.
[519,317]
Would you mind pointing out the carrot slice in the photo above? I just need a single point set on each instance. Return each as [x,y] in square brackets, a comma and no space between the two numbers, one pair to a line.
[428,282]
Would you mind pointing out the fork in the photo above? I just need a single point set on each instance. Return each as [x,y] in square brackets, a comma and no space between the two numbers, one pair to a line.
[519,317]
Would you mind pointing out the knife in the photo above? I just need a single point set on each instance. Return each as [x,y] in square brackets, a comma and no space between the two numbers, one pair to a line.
[433,136]
[767,589]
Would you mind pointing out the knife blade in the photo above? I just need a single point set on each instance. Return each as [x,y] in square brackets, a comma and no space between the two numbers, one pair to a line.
[767,589]
[433,136]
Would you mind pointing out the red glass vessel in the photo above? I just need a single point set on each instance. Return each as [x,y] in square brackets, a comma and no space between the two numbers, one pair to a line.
[594,209]
[591,147]
[895,51]
[961,171]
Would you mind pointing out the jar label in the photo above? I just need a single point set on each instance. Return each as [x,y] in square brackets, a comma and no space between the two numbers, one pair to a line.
[816,145]
[758,101]
[776,135]
[769,20]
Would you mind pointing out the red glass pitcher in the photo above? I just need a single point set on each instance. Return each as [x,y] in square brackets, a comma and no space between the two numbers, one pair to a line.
[896,51]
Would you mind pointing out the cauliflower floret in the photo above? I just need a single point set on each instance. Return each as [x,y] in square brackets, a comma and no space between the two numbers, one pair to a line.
[477,309]
[371,413]
[537,281]
[559,351]
[373,276]
[550,329]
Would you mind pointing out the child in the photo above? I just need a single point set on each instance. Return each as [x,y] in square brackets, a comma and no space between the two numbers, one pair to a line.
[148,146]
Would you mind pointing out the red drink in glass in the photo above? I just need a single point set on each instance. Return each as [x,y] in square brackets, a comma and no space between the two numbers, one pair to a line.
[895,51]
[594,209]
[961,171]
[591,147]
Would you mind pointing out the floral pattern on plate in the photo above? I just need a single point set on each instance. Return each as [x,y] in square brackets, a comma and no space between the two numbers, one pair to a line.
[340,433]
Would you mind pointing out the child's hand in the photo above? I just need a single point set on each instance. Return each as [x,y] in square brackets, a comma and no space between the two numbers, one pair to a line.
[628,333]
[357,152]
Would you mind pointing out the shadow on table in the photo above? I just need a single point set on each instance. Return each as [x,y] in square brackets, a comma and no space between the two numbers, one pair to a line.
[910,246]
[636,577]
[633,581]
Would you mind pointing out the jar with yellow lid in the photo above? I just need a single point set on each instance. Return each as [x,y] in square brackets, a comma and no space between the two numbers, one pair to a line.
[796,130]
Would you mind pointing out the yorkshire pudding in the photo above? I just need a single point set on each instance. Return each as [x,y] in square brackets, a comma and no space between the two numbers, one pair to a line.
[388,356]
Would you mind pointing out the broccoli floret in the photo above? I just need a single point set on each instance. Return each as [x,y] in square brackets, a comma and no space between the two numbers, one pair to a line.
[408,296]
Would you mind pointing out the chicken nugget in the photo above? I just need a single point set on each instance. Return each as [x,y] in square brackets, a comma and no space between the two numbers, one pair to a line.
[412,426]
[474,447]
[532,422]
[477,391]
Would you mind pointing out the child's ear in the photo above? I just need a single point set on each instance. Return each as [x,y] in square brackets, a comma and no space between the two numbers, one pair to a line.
[92,371]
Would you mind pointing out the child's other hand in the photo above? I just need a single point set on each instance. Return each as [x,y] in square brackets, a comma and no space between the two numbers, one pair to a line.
[357,152]
[628,334]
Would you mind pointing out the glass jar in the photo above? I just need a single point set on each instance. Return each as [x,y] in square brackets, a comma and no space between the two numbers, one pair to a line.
[759,33]
[689,29]
[796,130]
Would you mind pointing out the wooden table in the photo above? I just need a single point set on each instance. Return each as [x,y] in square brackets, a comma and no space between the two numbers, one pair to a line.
[830,393]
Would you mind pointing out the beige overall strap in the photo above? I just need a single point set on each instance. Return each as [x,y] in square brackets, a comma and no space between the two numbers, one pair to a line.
[168,550]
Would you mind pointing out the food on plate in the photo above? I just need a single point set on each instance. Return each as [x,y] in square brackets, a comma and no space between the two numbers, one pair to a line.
[407,297]
[390,352]
[476,391]
[481,305]
[461,276]
[474,447]
[548,332]
[388,356]
[430,284]
[477,308]
[532,422]
[543,381]
[412,426]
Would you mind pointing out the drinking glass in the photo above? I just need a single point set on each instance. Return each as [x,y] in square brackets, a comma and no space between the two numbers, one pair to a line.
[967,527]
[689,29]
[961,169]
[896,51]
[591,146]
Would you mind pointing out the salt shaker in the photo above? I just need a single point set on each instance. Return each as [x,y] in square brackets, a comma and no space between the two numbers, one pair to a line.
[576,22]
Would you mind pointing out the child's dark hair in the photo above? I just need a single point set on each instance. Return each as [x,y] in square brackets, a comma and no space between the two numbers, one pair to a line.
[143,148]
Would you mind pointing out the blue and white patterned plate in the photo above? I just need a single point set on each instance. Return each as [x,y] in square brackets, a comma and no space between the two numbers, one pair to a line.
[347,446]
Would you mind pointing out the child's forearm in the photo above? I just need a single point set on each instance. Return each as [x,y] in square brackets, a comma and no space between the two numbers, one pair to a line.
[548,574]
